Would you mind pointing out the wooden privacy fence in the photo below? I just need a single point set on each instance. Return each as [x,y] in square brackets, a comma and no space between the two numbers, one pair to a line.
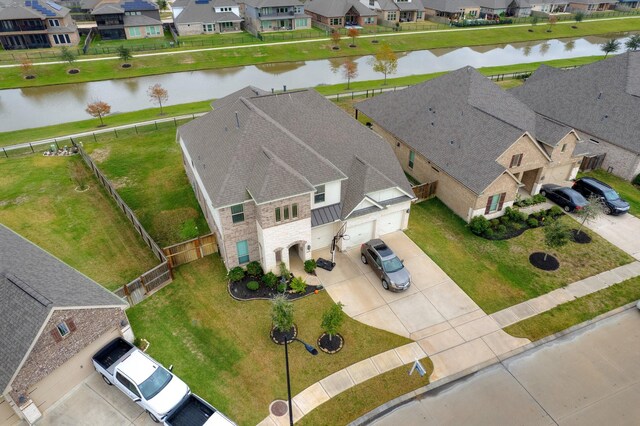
[425,190]
[138,289]
[188,251]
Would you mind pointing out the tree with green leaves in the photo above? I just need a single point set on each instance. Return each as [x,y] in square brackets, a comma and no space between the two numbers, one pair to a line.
[610,46]
[385,62]
[590,212]
[124,53]
[67,55]
[332,319]
[579,16]
[162,4]
[282,313]
[556,235]
[633,43]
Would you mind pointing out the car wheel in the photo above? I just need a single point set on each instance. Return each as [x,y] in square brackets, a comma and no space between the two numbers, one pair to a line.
[543,193]
[155,420]
[363,258]
[607,210]
[385,285]
[107,381]
[567,209]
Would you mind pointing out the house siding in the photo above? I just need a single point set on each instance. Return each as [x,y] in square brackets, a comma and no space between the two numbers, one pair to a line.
[235,232]
[619,161]
[505,184]
[282,237]
[265,213]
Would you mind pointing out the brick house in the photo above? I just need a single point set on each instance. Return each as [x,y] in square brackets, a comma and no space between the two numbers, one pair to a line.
[193,17]
[397,10]
[601,102]
[52,320]
[128,19]
[480,144]
[280,175]
[451,10]
[340,13]
[274,15]
[33,24]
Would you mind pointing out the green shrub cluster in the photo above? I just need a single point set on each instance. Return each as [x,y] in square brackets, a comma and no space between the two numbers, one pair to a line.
[531,201]
[298,285]
[254,269]
[253,285]
[310,266]
[235,274]
[512,222]
[270,280]
[281,287]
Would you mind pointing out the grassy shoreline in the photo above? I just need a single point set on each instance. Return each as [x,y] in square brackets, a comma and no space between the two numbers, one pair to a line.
[320,49]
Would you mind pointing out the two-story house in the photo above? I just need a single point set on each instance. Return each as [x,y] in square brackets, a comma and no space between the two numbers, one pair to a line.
[340,13]
[192,17]
[280,175]
[451,10]
[478,142]
[397,10]
[274,15]
[129,19]
[34,24]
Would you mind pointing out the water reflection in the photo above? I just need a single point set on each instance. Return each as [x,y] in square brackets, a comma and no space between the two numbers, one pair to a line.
[42,106]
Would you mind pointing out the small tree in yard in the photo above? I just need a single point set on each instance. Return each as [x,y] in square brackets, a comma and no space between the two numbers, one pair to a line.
[98,109]
[610,46]
[67,55]
[353,33]
[162,4]
[282,313]
[579,16]
[633,43]
[124,53]
[158,95]
[332,319]
[553,20]
[26,67]
[556,235]
[349,70]
[591,211]
[385,62]
[335,38]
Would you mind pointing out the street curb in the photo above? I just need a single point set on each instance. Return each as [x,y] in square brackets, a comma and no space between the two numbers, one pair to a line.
[417,394]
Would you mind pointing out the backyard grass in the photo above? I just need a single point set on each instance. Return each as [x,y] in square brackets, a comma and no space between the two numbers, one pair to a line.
[187,61]
[626,189]
[359,400]
[147,172]
[577,311]
[497,274]
[221,347]
[86,230]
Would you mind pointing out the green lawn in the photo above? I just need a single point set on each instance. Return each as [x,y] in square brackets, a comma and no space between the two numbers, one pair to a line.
[84,229]
[497,274]
[99,46]
[577,311]
[221,347]
[626,189]
[148,173]
[208,40]
[186,61]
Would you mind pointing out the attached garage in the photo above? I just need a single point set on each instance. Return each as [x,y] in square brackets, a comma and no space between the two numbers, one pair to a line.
[359,233]
[321,236]
[390,222]
[7,415]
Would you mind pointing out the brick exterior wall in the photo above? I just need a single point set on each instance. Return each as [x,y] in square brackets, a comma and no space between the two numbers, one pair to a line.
[266,216]
[235,232]
[619,161]
[47,354]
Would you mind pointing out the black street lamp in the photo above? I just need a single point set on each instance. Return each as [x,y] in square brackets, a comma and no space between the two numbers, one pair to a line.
[312,351]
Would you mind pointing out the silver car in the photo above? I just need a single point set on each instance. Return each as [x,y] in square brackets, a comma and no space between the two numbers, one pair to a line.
[386,265]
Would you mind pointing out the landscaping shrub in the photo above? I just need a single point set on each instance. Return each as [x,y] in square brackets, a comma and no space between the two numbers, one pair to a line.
[253,285]
[504,220]
[539,198]
[514,215]
[532,222]
[515,226]
[501,230]
[494,223]
[489,233]
[235,274]
[309,266]
[298,285]
[270,280]
[281,287]
[479,224]
[555,212]
[254,269]
[284,272]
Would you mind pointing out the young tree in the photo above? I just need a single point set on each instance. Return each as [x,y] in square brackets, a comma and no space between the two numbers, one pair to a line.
[282,313]
[353,33]
[335,38]
[158,94]
[26,67]
[534,20]
[67,55]
[633,43]
[579,16]
[98,109]
[349,70]
[556,235]
[124,53]
[590,212]
[332,319]
[162,4]
[553,20]
[610,46]
[385,61]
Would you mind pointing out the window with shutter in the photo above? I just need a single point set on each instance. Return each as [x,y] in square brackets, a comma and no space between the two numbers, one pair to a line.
[516,160]
[494,203]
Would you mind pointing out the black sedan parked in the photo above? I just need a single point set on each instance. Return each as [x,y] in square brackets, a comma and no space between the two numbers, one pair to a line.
[570,200]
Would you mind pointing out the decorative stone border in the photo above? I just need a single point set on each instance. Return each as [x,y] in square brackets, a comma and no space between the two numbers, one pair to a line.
[328,351]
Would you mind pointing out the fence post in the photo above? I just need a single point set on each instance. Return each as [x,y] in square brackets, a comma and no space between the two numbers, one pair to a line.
[175,123]
[56,142]
[32,151]
[5,153]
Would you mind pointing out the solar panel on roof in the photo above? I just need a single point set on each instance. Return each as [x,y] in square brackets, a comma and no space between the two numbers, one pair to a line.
[55,6]
[27,3]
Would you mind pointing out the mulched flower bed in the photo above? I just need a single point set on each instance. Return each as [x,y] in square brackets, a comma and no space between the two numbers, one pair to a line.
[330,346]
[73,71]
[126,65]
[278,337]
[537,260]
[504,229]
[239,290]
[580,237]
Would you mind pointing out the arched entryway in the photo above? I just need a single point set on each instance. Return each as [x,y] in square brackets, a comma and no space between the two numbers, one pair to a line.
[296,257]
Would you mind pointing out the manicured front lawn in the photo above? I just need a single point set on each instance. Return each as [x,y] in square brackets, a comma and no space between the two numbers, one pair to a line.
[626,189]
[221,347]
[148,173]
[577,311]
[38,200]
[497,274]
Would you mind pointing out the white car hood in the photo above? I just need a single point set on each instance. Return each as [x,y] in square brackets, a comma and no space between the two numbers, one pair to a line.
[168,397]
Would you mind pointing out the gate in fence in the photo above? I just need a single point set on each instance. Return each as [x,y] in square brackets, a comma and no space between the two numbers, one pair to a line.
[425,190]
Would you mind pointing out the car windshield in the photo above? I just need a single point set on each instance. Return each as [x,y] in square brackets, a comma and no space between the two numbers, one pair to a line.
[578,198]
[155,383]
[611,195]
[392,265]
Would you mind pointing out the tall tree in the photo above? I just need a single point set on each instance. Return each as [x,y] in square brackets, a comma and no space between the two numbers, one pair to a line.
[98,109]
[590,212]
[353,33]
[158,95]
[385,62]
[579,16]
[124,53]
[633,43]
[610,46]
[349,70]
[556,235]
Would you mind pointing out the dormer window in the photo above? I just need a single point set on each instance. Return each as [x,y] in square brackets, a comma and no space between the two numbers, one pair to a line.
[319,194]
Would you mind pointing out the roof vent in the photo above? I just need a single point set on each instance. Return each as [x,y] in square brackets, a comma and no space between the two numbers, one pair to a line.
[599,95]
[28,290]
[433,124]
[237,120]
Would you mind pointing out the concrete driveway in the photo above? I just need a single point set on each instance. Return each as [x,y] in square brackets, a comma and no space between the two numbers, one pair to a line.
[94,403]
[621,231]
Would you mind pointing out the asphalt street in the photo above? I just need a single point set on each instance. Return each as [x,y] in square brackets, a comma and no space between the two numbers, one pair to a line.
[589,377]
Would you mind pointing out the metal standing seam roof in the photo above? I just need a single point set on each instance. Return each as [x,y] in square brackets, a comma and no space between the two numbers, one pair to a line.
[32,283]
[324,215]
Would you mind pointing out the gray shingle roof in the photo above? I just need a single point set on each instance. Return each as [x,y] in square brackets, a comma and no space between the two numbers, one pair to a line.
[139,20]
[462,122]
[305,131]
[32,283]
[107,9]
[204,13]
[245,92]
[452,6]
[17,9]
[270,3]
[601,99]
[337,8]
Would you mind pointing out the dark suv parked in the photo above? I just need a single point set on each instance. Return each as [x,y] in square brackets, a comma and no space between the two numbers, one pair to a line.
[612,202]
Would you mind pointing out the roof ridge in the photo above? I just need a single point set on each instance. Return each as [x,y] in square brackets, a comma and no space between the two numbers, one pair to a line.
[369,166]
[274,157]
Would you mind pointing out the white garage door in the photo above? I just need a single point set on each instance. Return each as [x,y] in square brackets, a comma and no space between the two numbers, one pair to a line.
[360,233]
[390,223]
[321,236]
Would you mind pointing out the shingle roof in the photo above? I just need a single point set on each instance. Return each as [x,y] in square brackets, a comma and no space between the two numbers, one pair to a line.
[32,283]
[601,99]
[271,3]
[335,8]
[452,6]
[204,13]
[317,142]
[245,92]
[139,20]
[107,9]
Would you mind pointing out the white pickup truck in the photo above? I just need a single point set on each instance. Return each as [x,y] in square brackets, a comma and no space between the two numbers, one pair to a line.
[163,395]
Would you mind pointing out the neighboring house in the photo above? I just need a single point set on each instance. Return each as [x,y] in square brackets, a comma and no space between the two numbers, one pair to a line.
[273,15]
[128,20]
[601,101]
[34,24]
[590,6]
[280,175]
[340,13]
[194,17]
[545,7]
[397,10]
[52,320]
[628,5]
[479,143]
[452,9]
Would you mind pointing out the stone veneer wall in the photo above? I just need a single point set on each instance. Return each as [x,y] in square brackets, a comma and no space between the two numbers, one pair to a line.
[234,232]
[266,213]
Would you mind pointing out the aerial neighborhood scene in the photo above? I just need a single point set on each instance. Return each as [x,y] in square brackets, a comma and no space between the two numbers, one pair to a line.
[319,212]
